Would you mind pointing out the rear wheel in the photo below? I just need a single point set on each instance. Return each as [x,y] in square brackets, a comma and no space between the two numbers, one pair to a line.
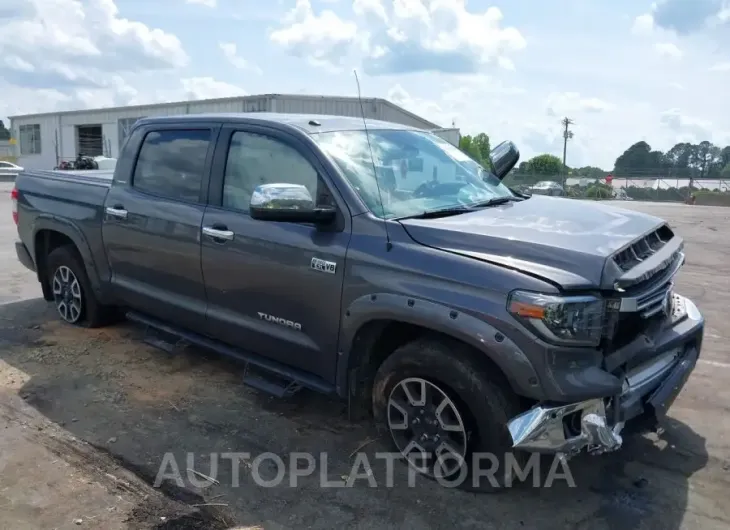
[73,295]
[445,415]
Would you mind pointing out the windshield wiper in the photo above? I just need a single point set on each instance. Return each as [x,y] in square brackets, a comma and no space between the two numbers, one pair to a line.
[435,214]
[496,201]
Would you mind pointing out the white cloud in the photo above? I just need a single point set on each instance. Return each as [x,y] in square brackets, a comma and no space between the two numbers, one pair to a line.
[440,35]
[568,103]
[16,63]
[643,24]
[118,92]
[205,3]
[677,86]
[406,36]
[204,88]
[230,50]
[69,54]
[323,39]
[683,17]
[668,49]
[687,128]
[720,67]
[430,110]
[52,38]
[370,8]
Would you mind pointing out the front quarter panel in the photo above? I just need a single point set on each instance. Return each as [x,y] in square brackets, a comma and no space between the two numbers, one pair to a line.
[458,296]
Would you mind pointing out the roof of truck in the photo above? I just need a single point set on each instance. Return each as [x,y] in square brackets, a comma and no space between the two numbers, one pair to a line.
[309,123]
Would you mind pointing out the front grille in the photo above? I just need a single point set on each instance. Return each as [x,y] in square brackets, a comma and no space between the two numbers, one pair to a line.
[647,303]
[622,328]
[639,250]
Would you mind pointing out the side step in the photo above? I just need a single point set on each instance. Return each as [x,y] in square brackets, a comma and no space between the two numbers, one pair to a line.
[164,341]
[270,383]
[279,380]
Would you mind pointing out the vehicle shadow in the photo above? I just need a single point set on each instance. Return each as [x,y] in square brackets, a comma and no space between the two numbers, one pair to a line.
[179,417]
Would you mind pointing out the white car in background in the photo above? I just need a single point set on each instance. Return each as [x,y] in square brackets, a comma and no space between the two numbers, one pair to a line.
[8,169]
[547,187]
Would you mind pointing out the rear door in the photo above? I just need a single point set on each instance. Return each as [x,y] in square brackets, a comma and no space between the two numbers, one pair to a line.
[152,223]
[265,291]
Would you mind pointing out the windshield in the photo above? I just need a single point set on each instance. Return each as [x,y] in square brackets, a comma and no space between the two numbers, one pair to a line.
[417,171]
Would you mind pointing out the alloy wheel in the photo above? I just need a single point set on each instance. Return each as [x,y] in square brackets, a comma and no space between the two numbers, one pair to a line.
[67,294]
[427,427]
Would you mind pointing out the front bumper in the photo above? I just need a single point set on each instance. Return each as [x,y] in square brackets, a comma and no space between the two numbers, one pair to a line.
[648,390]
[24,256]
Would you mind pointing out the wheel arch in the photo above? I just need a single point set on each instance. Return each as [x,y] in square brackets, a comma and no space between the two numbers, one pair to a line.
[376,325]
[50,233]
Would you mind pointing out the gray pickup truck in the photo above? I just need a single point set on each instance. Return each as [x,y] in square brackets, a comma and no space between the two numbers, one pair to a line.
[380,264]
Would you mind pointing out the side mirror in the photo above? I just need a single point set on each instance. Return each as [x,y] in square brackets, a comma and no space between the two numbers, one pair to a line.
[287,203]
[503,158]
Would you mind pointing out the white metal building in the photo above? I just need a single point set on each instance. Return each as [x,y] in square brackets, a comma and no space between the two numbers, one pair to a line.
[44,140]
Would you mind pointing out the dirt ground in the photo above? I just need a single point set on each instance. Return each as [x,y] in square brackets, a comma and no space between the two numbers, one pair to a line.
[87,416]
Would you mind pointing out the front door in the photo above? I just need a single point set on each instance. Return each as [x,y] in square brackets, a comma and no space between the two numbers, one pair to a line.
[151,227]
[273,288]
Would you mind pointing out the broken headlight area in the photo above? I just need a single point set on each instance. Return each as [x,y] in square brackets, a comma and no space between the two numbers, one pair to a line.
[563,320]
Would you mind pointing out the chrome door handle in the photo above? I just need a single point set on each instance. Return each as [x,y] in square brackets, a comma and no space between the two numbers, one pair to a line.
[215,233]
[120,213]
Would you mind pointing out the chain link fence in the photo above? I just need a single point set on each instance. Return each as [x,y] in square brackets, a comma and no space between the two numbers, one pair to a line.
[714,192]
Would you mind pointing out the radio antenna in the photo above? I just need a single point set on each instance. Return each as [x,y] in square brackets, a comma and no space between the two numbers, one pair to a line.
[388,244]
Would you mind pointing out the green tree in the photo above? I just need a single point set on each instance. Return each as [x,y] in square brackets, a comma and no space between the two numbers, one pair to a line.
[725,156]
[679,159]
[476,146]
[707,159]
[547,165]
[725,173]
[4,133]
[599,191]
[590,172]
[640,160]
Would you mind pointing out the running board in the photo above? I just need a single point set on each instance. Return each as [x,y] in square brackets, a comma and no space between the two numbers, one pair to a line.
[280,380]
[270,383]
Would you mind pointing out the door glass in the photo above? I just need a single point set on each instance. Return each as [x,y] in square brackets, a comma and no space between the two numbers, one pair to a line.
[171,163]
[254,159]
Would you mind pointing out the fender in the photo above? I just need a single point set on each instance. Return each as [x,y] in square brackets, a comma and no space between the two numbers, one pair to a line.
[460,325]
[70,230]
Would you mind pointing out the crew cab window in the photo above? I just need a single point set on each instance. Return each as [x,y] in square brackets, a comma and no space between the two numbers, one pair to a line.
[171,163]
[254,159]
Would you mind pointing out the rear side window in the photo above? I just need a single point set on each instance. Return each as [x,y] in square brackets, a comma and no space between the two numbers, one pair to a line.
[171,163]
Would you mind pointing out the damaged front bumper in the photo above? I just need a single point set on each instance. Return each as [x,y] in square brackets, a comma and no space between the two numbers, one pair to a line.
[596,425]
[566,429]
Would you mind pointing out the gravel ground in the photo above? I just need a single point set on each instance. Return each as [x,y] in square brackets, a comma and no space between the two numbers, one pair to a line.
[90,415]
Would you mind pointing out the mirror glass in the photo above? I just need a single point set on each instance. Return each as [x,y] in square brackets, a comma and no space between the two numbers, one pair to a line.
[281,196]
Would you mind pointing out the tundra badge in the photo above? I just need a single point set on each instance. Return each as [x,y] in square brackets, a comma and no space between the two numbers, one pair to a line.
[281,321]
[323,266]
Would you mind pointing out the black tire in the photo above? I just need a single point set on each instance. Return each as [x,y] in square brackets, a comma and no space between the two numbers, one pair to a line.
[90,313]
[484,405]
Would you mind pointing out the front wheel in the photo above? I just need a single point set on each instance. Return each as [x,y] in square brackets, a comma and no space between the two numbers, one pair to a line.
[446,416]
[73,295]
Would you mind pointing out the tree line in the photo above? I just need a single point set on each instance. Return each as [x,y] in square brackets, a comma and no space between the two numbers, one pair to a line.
[685,160]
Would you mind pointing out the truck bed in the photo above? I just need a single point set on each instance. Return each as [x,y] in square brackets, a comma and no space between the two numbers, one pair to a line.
[72,197]
[44,189]
[90,175]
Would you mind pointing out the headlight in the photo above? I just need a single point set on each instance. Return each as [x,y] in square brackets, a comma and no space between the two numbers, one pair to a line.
[568,320]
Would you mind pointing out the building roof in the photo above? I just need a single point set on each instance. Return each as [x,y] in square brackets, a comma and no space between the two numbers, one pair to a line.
[382,101]
[309,123]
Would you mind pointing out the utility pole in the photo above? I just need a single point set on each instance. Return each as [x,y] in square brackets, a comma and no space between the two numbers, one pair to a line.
[567,135]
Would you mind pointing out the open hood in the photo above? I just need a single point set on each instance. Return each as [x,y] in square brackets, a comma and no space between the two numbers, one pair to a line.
[565,241]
